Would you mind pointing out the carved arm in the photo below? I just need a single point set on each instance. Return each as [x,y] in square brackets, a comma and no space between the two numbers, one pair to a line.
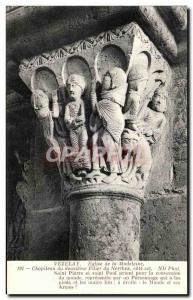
[67,119]
[80,119]
[93,96]
[55,104]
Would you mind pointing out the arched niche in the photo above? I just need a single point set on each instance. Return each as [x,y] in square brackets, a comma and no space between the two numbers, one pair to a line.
[156,79]
[44,79]
[139,71]
[111,56]
[143,59]
[77,65]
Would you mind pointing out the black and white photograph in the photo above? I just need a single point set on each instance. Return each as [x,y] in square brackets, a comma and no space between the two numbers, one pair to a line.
[97,146]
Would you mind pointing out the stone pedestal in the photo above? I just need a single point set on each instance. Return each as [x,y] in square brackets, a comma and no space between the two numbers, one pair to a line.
[104,223]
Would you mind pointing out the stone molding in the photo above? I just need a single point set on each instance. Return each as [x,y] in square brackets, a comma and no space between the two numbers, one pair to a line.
[118,191]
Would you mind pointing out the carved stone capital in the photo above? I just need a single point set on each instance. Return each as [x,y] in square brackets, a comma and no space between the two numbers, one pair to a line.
[132,61]
[101,103]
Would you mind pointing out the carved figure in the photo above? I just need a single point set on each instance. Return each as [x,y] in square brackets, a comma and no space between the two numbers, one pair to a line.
[138,157]
[135,143]
[61,132]
[154,120]
[74,118]
[40,102]
[107,123]
[137,80]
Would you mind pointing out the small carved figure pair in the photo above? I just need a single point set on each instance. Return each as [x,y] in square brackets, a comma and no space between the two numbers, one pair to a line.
[115,122]
[64,125]
[138,162]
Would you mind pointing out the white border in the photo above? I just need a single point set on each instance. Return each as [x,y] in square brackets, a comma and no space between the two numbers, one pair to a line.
[3,93]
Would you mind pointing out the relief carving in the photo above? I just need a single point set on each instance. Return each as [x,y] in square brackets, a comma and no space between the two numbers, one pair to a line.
[138,159]
[137,142]
[137,79]
[40,103]
[107,123]
[101,122]
[74,118]
[154,120]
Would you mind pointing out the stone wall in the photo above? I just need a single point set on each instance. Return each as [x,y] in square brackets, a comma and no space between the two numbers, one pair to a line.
[180,149]
[164,216]
[164,228]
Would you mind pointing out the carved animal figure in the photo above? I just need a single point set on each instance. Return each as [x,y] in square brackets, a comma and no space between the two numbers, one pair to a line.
[139,154]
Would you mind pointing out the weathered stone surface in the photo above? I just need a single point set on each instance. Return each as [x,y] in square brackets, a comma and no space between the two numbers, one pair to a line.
[125,43]
[19,134]
[179,99]
[15,100]
[46,234]
[160,178]
[164,228]
[127,57]
[51,27]
[11,8]
[80,22]
[180,12]
[104,225]
[118,52]
[158,30]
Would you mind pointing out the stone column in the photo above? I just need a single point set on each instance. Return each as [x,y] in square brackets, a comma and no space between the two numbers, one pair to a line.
[105,196]
[104,224]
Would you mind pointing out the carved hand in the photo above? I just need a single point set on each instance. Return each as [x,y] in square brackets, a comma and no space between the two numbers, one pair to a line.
[68,124]
[104,123]
[80,119]
[78,123]
[54,96]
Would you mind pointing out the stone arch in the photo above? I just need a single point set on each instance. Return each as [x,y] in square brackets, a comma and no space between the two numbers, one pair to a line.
[143,59]
[44,79]
[109,57]
[78,65]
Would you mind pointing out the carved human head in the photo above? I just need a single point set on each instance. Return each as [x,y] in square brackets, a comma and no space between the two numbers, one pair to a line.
[159,100]
[114,78]
[129,138]
[75,86]
[40,103]
[107,82]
